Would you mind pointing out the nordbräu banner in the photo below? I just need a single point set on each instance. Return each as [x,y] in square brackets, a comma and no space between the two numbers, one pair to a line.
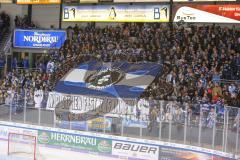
[45,39]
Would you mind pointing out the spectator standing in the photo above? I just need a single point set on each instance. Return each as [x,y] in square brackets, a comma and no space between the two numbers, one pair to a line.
[25,63]
[2,64]
[14,63]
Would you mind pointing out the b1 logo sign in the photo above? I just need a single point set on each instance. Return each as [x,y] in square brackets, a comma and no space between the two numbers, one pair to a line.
[135,150]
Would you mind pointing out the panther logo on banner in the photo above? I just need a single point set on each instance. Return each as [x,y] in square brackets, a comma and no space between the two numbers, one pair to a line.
[104,78]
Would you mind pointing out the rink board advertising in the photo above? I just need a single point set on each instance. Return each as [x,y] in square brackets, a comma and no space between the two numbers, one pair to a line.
[81,142]
[38,1]
[116,13]
[174,153]
[39,38]
[117,146]
[135,150]
[207,13]
[4,131]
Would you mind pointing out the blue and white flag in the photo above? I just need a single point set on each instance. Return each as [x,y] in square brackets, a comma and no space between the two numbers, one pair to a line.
[96,89]
[116,79]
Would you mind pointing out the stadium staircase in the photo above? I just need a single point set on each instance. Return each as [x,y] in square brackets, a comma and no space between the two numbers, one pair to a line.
[5,43]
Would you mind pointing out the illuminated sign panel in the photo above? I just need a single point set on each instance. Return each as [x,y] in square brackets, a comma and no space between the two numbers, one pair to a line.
[117,13]
[88,1]
[132,1]
[71,1]
[6,1]
[38,1]
[225,13]
[121,1]
[103,1]
[39,38]
[203,0]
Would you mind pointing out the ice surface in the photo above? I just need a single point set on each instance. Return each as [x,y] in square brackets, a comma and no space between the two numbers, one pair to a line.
[53,154]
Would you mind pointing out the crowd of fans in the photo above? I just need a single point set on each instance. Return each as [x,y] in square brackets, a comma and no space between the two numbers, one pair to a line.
[4,28]
[201,64]
[22,81]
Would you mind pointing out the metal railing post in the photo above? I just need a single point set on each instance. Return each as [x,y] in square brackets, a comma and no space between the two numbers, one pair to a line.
[226,138]
[170,123]
[238,123]
[140,134]
[185,125]
[214,127]
[200,126]
[11,105]
[54,118]
[160,120]
[25,106]
[140,121]
[70,122]
[104,122]
[122,127]
[224,128]
[39,115]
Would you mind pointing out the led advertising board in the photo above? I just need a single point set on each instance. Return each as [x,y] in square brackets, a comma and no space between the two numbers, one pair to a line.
[117,13]
[39,38]
[38,1]
[225,13]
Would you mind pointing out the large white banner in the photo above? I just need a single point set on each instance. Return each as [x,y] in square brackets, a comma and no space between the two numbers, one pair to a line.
[79,104]
[117,13]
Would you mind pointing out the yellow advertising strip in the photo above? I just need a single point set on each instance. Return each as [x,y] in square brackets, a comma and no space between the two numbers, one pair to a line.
[6,1]
[88,1]
[163,21]
[116,13]
[38,1]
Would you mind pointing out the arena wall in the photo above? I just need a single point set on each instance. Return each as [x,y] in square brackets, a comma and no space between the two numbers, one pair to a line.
[14,10]
[107,144]
[46,16]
